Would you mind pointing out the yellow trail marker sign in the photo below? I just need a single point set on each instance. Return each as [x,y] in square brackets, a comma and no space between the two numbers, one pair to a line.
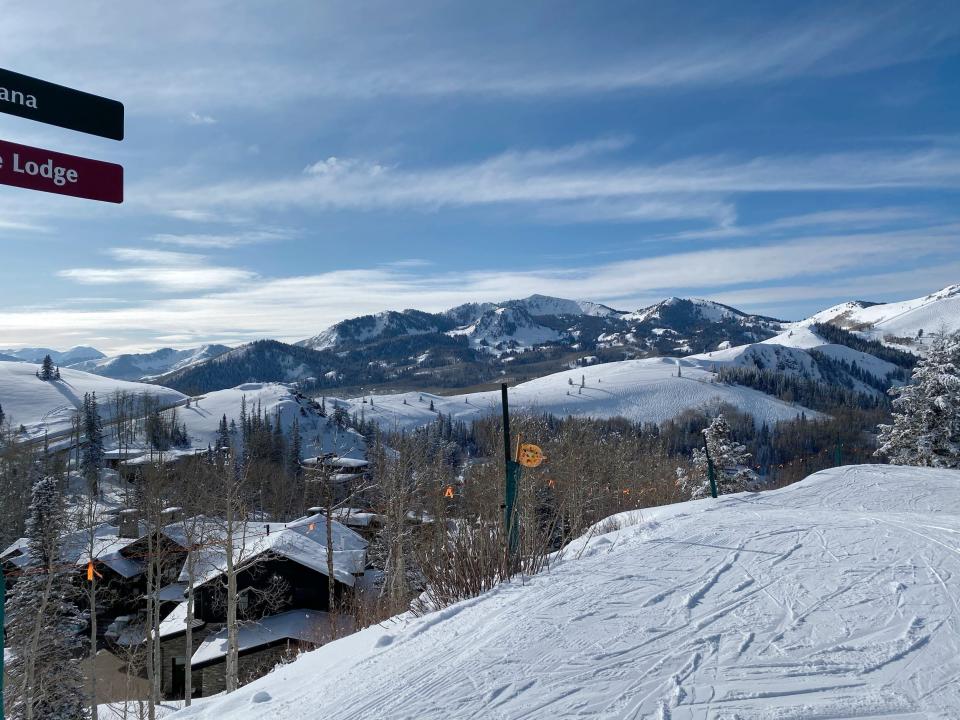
[530,455]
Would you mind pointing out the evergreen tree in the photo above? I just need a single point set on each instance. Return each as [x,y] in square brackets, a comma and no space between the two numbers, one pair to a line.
[46,681]
[295,455]
[223,435]
[731,471]
[277,444]
[926,412]
[2,416]
[693,486]
[730,458]
[46,368]
[91,460]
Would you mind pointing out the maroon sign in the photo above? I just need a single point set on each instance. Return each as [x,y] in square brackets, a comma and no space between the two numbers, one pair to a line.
[36,169]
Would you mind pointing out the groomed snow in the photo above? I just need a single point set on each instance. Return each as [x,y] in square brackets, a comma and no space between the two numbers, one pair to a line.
[641,390]
[833,598]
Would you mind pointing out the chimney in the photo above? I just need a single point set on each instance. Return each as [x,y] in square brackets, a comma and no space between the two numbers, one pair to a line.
[129,524]
[171,515]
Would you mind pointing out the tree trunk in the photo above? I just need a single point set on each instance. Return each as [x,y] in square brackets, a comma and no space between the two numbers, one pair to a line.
[331,582]
[230,666]
[93,645]
[188,637]
[151,707]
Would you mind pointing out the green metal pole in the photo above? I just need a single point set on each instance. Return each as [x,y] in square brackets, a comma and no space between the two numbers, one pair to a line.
[837,457]
[710,473]
[513,470]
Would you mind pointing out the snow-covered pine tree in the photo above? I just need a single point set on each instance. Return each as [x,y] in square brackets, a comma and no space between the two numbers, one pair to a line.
[91,459]
[46,681]
[46,368]
[730,458]
[696,485]
[926,412]
[2,416]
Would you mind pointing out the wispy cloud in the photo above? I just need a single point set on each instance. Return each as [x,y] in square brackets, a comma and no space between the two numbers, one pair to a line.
[223,241]
[625,189]
[195,118]
[160,269]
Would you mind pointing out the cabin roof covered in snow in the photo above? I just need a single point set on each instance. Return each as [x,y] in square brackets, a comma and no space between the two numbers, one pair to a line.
[302,541]
[176,622]
[311,626]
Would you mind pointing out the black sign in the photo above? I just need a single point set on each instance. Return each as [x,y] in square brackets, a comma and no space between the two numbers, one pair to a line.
[58,105]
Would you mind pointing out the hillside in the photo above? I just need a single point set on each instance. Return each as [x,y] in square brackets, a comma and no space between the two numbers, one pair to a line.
[898,323]
[49,406]
[829,599]
[318,433]
[639,390]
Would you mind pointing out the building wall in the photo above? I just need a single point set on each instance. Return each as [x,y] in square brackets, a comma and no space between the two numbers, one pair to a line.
[173,647]
[251,666]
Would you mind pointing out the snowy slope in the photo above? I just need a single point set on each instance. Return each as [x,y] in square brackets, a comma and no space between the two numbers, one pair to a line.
[786,353]
[833,598]
[144,366]
[898,319]
[507,328]
[49,406]
[640,390]
[318,434]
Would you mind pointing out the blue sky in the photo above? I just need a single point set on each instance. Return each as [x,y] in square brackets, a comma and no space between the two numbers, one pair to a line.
[292,164]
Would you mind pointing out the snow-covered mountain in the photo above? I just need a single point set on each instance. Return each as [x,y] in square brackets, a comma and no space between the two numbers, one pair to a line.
[146,366]
[902,323]
[507,328]
[674,326]
[376,327]
[260,361]
[48,406]
[826,599]
[60,357]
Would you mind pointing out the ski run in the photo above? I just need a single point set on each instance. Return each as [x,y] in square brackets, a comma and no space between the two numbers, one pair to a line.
[833,598]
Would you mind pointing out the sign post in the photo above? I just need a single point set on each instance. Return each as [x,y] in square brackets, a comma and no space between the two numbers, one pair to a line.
[513,471]
[48,171]
[53,104]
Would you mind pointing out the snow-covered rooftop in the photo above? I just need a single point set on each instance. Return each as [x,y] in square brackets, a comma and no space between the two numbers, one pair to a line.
[310,626]
[302,541]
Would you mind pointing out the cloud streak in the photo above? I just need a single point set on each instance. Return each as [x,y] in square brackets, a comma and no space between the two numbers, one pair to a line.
[688,188]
